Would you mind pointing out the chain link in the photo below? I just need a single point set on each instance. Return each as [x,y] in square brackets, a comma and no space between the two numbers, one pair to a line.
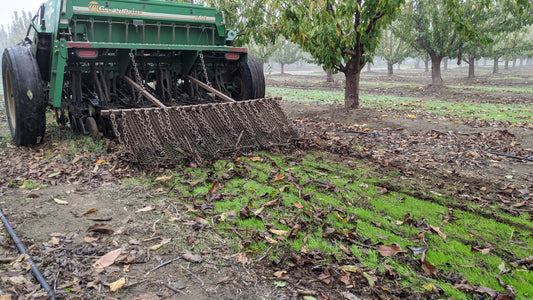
[137,76]
[205,70]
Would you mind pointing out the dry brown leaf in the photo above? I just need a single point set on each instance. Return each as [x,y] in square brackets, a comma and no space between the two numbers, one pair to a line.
[54,241]
[256,158]
[101,228]
[278,178]
[115,286]
[429,268]
[163,179]
[437,230]
[108,259]
[298,205]
[279,232]
[90,211]
[195,258]
[144,209]
[5,297]
[345,277]
[213,188]
[242,258]
[389,250]
[90,239]
[270,203]
[519,204]
[280,274]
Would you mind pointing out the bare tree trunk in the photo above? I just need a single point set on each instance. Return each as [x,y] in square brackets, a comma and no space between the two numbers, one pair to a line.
[471,64]
[282,69]
[426,65]
[506,64]
[445,64]
[521,61]
[495,65]
[390,70]
[436,78]
[351,90]
[329,76]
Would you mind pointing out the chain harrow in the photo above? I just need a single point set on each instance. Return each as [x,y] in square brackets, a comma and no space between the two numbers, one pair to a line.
[158,136]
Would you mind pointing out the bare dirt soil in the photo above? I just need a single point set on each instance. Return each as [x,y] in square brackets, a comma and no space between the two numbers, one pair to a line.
[69,211]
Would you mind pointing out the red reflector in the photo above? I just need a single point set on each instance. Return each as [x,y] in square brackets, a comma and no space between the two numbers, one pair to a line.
[238,49]
[86,53]
[233,56]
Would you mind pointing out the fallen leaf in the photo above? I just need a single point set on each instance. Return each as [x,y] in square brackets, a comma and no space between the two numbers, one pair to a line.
[325,277]
[280,274]
[90,239]
[31,196]
[195,258]
[213,188]
[271,240]
[278,178]
[298,205]
[371,279]
[54,174]
[147,208]
[519,204]
[270,203]
[115,286]
[256,158]
[279,232]
[437,230]
[101,228]
[417,250]
[350,268]
[54,241]
[389,250]
[411,116]
[258,211]
[163,179]
[90,211]
[309,297]
[163,242]
[429,268]
[280,283]
[108,259]
[345,277]
[241,258]
[62,202]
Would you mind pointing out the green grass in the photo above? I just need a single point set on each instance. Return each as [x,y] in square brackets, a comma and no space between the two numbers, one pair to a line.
[345,196]
[514,113]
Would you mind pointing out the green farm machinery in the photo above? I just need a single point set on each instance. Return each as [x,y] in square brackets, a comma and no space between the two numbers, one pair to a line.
[162,77]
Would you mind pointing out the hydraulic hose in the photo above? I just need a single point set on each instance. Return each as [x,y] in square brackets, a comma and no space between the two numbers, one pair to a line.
[19,245]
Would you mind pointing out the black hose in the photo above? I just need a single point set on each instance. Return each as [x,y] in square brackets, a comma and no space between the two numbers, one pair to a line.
[19,245]
[510,156]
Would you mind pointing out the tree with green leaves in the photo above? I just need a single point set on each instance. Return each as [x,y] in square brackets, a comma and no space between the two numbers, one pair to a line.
[428,27]
[286,53]
[392,49]
[341,35]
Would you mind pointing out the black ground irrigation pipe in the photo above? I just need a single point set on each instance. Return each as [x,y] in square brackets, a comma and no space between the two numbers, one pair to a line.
[34,269]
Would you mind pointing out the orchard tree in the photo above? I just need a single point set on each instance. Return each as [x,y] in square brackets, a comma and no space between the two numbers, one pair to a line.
[392,49]
[428,27]
[286,53]
[262,52]
[340,35]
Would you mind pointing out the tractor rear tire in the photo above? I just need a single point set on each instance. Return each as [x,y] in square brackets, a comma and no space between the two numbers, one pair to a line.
[253,78]
[24,98]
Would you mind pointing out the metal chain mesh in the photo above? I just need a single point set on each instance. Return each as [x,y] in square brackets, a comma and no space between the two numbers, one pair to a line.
[158,136]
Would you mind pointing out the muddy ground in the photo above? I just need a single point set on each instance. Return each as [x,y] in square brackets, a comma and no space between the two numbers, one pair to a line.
[47,197]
